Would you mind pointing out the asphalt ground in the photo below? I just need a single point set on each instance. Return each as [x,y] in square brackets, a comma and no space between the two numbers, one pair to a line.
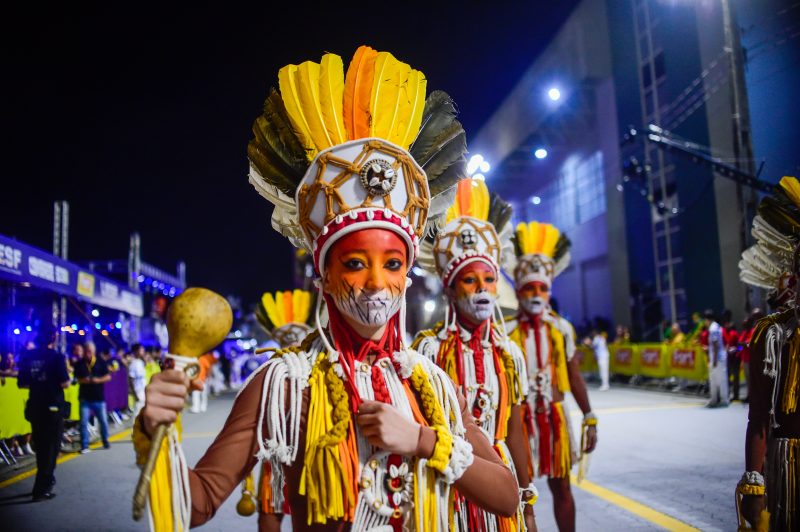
[662,462]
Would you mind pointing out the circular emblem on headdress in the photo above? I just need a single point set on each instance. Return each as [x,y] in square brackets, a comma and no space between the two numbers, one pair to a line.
[536,264]
[468,238]
[378,177]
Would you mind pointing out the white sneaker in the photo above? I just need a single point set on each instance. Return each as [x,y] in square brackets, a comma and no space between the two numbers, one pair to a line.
[85,450]
[604,388]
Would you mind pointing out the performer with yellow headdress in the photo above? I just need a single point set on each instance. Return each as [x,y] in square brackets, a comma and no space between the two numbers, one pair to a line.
[548,341]
[471,344]
[285,316]
[771,480]
[364,432]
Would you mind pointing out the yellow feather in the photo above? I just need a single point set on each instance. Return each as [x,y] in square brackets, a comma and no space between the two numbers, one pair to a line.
[522,238]
[272,309]
[331,96]
[550,240]
[302,305]
[291,100]
[415,90]
[792,188]
[536,237]
[307,82]
[385,104]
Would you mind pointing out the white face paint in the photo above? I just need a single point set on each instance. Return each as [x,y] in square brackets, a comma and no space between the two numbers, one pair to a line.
[533,305]
[370,309]
[477,307]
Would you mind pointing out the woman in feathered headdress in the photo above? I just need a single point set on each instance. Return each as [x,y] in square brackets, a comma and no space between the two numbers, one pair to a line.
[471,346]
[548,341]
[365,432]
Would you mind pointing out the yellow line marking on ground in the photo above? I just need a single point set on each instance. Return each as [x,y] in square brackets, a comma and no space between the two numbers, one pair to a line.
[65,458]
[636,508]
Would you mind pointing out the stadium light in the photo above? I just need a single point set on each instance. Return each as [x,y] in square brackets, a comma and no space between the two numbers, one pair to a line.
[540,153]
[554,94]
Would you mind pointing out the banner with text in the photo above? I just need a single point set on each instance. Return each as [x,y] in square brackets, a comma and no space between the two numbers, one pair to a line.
[22,263]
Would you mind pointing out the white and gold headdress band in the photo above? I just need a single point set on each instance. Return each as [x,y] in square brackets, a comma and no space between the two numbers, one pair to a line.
[542,253]
[336,154]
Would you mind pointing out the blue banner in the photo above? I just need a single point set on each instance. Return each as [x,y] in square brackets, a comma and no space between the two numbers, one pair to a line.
[22,263]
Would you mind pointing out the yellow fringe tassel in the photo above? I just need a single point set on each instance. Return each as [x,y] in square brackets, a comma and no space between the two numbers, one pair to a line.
[562,459]
[790,391]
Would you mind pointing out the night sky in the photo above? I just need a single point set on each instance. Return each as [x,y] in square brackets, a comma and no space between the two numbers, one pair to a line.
[140,116]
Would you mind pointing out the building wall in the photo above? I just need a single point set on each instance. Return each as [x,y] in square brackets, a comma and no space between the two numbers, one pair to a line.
[621,268]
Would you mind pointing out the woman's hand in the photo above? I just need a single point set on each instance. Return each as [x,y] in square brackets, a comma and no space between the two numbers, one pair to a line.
[165,397]
[386,428]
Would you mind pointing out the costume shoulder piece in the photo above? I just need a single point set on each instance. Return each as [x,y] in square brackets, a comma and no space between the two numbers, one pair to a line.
[567,331]
[427,342]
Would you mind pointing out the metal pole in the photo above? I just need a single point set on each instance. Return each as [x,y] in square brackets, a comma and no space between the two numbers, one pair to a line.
[56,306]
[62,338]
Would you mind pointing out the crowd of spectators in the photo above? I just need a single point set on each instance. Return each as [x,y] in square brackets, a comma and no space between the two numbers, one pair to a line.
[724,341]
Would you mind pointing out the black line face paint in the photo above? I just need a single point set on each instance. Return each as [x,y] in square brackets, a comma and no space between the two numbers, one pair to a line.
[369,308]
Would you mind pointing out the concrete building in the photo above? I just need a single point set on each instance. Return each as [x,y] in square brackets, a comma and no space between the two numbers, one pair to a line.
[656,234]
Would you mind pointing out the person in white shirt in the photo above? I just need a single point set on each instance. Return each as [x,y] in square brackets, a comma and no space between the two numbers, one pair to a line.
[138,377]
[717,363]
[601,355]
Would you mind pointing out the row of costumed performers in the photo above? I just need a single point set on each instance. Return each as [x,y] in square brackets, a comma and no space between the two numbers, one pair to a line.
[355,429]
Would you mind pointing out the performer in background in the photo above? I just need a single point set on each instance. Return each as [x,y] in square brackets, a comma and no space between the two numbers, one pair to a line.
[364,432]
[548,341]
[471,346]
[286,317]
[772,447]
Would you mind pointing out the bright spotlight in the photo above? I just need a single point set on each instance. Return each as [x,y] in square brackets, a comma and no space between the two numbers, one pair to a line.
[554,94]
[479,177]
[536,200]
[485,166]
[540,153]
[474,163]
[430,305]
[95,313]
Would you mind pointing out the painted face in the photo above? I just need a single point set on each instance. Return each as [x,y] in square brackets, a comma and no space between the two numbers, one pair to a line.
[534,298]
[474,291]
[365,275]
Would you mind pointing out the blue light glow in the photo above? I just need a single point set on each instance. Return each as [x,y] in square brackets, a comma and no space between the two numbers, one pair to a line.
[97,326]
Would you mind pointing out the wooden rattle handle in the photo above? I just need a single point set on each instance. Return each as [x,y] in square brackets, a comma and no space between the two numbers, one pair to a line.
[143,486]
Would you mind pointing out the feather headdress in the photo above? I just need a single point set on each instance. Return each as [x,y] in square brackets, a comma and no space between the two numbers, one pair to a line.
[776,229]
[476,229]
[286,315]
[542,253]
[332,149]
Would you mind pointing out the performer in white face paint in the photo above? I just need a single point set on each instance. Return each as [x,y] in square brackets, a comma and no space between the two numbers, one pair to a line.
[472,347]
[548,341]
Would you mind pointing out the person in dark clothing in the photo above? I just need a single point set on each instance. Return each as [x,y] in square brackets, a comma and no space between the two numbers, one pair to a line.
[92,373]
[44,371]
